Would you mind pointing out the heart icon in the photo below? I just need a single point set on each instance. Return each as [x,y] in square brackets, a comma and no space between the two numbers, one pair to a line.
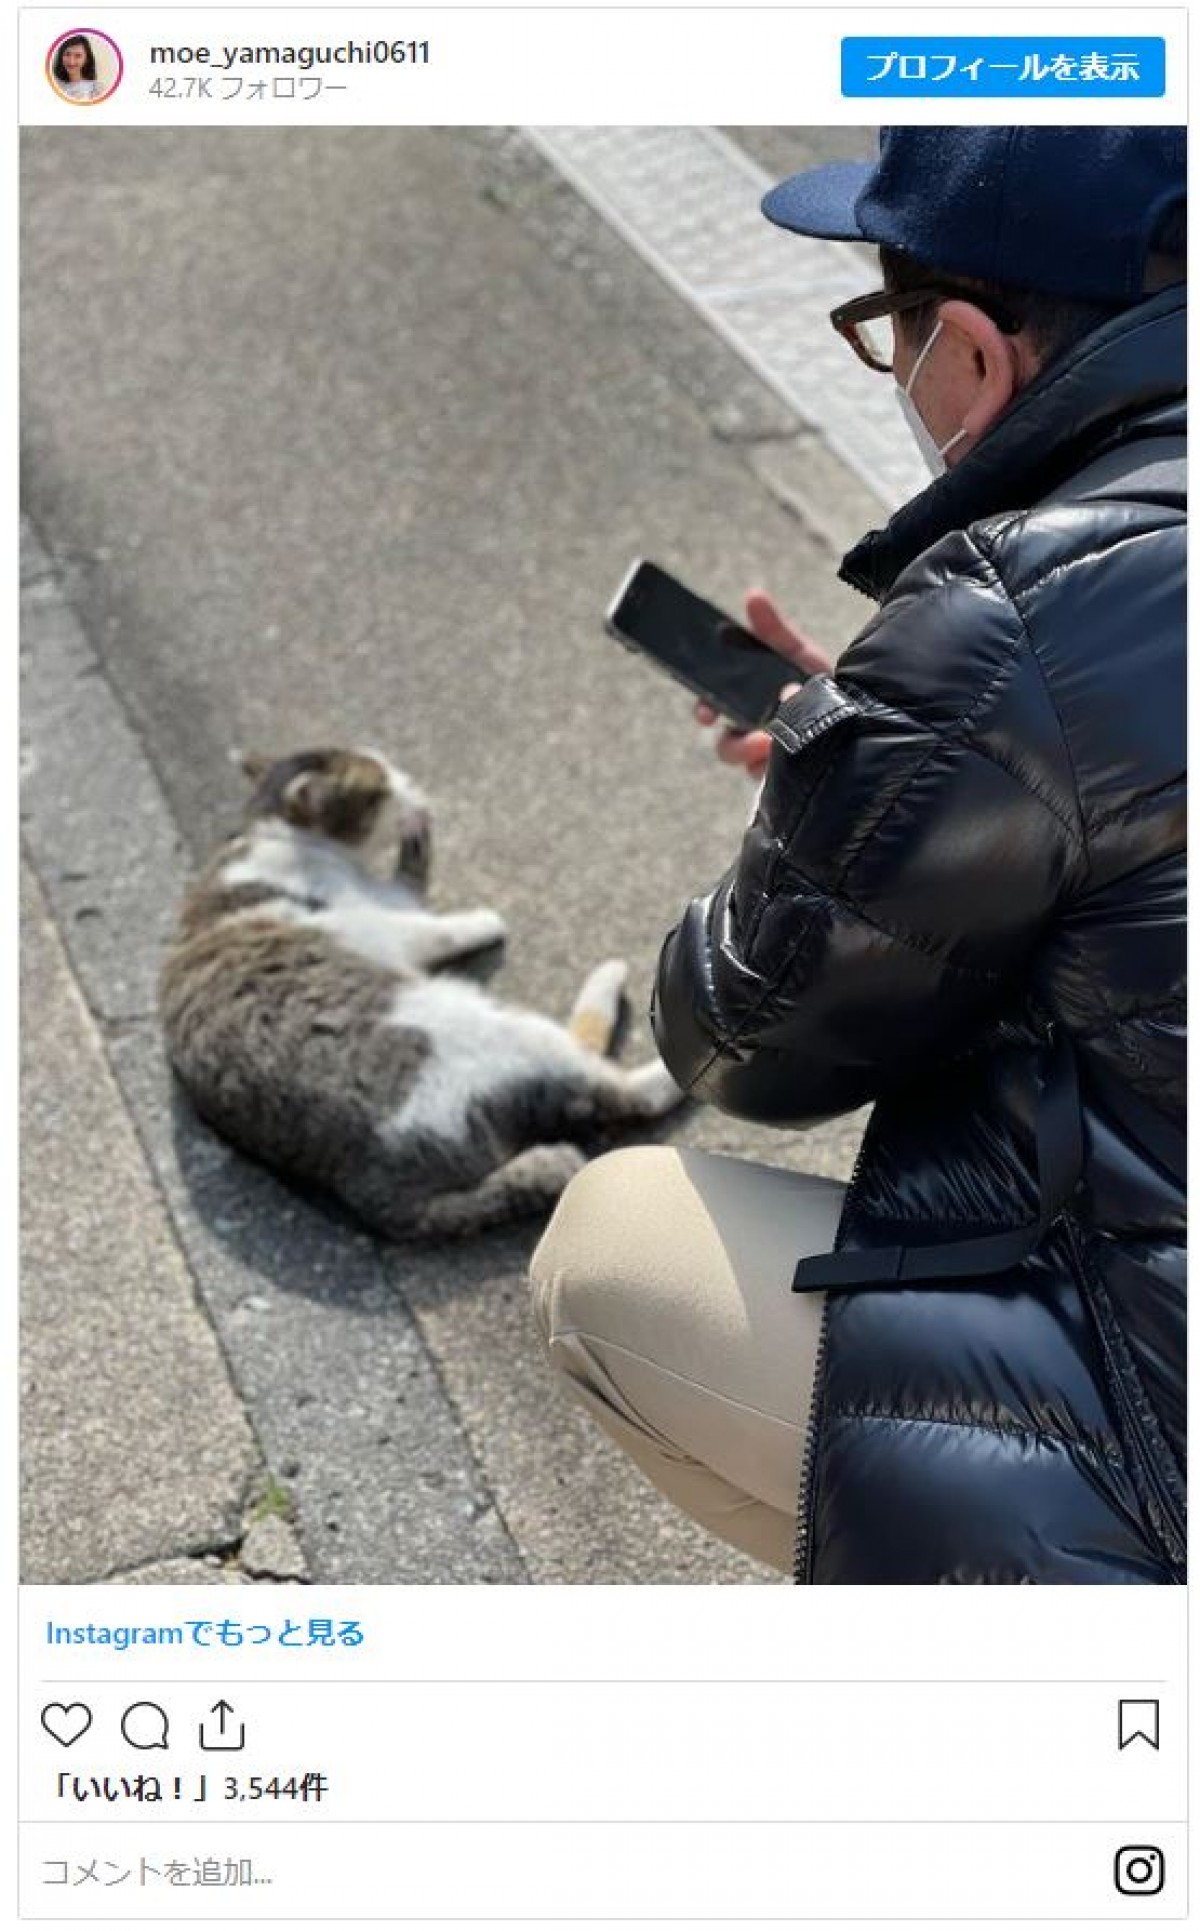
[66,1722]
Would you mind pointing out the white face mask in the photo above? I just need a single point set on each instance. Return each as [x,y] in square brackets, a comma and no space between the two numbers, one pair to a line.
[935,457]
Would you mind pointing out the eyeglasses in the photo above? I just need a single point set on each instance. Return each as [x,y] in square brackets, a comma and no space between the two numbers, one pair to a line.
[863,323]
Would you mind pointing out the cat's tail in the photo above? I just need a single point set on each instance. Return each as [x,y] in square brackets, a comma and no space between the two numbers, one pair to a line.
[597,1009]
[524,1186]
[527,1185]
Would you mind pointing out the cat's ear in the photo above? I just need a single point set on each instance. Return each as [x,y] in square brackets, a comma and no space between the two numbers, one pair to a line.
[252,764]
[305,797]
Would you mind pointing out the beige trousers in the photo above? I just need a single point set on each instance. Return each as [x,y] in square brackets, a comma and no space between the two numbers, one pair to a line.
[662,1288]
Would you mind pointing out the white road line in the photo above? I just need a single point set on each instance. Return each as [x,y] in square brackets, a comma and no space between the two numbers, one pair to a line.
[686,199]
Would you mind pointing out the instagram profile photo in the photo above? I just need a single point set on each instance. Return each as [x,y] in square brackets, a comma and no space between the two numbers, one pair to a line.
[84,66]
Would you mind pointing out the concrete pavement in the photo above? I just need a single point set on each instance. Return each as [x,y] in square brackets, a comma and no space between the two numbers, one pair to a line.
[107,1489]
[339,445]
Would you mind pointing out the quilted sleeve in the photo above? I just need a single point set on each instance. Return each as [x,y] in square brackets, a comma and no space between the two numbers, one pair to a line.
[918,827]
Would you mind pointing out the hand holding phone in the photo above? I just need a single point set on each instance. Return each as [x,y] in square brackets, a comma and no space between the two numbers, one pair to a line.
[734,672]
[750,751]
[771,655]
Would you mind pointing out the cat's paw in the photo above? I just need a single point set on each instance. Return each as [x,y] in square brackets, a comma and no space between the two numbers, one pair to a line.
[608,978]
[597,1010]
[657,1092]
[479,929]
[603,988]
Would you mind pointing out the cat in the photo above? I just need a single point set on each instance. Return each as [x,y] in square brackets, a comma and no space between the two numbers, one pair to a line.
[306,1016]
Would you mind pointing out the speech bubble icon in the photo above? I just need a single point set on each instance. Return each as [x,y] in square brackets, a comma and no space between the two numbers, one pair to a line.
[144,1725]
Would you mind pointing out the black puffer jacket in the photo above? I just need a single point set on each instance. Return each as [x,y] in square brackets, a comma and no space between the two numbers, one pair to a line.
[963,897]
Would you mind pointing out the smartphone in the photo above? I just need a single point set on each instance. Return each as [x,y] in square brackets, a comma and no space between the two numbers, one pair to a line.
[699,645]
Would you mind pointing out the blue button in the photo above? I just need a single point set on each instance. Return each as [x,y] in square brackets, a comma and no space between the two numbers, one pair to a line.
[1029,69]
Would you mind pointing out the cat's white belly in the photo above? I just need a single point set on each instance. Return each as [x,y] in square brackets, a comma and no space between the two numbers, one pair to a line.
[479,1047]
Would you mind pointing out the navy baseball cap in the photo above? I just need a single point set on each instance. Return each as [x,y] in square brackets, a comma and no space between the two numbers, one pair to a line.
[1065,210]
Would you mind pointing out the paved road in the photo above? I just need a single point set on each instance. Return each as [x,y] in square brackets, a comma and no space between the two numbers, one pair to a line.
[347,435]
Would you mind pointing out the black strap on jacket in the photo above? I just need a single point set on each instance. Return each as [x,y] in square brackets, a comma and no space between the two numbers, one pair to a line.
[1059,1135]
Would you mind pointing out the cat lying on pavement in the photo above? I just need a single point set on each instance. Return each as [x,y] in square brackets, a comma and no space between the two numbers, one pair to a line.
[307,1020]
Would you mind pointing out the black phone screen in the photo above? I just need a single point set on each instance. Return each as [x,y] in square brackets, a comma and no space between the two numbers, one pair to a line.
[698,644]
